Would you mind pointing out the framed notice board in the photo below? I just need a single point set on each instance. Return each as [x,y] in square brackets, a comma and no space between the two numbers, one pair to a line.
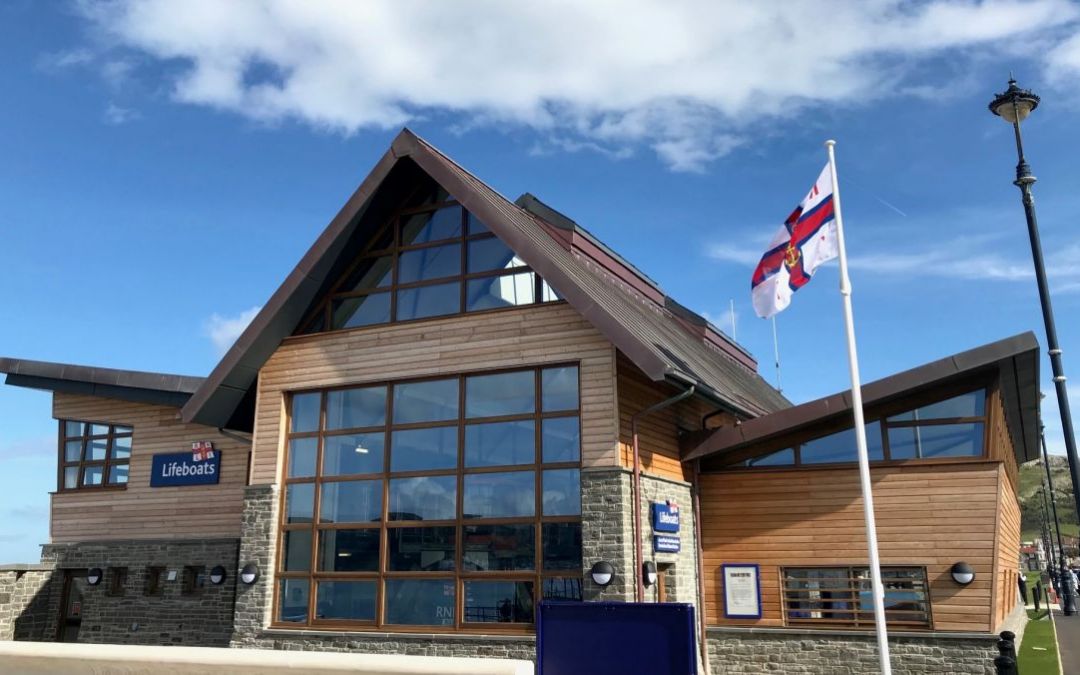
[742,591]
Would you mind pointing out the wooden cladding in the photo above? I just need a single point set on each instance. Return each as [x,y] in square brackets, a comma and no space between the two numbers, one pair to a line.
[139,511]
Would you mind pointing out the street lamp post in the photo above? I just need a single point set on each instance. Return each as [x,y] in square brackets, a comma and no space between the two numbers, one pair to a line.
[1065,588]
[1013,106]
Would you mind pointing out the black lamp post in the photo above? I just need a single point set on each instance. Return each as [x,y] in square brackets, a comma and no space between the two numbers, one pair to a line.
[1065,587]
[1013,106]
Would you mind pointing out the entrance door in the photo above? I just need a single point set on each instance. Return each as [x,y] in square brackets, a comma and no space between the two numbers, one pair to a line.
[72,608]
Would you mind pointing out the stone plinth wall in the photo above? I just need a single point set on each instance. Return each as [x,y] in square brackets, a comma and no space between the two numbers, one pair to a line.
[24,601]
[202,618]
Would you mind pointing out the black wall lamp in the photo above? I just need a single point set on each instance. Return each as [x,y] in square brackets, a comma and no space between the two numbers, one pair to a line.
[93,576]
[249,574]
[602,573]
[962,573]
[648,573]
[217,575]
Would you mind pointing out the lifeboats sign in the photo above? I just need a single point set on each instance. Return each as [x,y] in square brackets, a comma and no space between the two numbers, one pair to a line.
[201,466]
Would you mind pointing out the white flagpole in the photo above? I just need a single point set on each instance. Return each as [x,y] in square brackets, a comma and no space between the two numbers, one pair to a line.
[860,430]
[776,353]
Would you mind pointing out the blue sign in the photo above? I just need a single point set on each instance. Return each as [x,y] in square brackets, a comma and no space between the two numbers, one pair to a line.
[665,544]
[181,468]
[665,517]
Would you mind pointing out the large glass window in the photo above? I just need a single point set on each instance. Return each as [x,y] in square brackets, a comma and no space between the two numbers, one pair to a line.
[430,260]
[443,502]
[842,596]
[93,455]
[954,427]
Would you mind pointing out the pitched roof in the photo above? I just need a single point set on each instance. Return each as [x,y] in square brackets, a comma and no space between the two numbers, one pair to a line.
[646,332]
[126,385]
[1015,360]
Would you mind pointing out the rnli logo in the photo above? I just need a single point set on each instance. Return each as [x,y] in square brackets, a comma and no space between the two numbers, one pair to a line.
[791,256]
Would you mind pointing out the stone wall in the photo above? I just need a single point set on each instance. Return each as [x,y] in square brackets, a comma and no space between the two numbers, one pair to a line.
[748,650]
[202,618]
[607,531]
[24,601]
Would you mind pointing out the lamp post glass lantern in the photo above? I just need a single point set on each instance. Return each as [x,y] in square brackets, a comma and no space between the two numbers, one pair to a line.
[1014,105]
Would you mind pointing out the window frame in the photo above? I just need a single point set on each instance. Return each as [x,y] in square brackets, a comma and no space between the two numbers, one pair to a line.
[853,580]
[83,463]
[394,224]
[459,471]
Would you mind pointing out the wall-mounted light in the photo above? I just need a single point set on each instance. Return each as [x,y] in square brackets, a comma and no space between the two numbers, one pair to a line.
[962,573]
[648,572]
[250,573]
[217,575]
[93,576]
[602,573]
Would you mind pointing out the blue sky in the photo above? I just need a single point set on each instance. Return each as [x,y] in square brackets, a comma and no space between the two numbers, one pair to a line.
[164,165]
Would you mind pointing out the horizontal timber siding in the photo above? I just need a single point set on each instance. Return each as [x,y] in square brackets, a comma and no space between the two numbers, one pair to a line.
[931,516]
[140,511]
[1008,551]
[525,337]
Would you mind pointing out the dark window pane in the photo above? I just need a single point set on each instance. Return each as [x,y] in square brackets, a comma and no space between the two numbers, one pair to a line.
[118,474]
[92,475]
[353,501]
[424,498]
[349,550]
[71,477]
[428,194]
[562,492]
[499,601]
[305,412]
[361,310]
[971,404]
[296,550]
[430,401]
[421,228]
[502,394]
[499,547]
[121,447]
[562,439]
[562,588]
[354,453]
[96,448]
[437,300]
[491,254]
[547,293]
[840,447]
[74,429]
[293,600]
[425,264]
[317,324]
[302,452]
[475,226]
[351,408]
[424,449]
[784,457]
[420,549]
[500,443]
[420,602]
[508,290]
[370,273]
[349,600]
[561,546]
[299,502]
[941,440]
[559,387]
[73,451]
[500,495]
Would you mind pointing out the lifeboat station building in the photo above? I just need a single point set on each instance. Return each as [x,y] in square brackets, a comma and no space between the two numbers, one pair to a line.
[456,407]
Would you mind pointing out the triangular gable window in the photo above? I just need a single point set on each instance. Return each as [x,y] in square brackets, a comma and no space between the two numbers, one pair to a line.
[428,260]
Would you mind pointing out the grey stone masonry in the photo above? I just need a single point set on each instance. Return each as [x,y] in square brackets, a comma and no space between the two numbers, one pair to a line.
[201,618]
[607,531]
[681,579]
[24,601]
[734,650]
[258,541]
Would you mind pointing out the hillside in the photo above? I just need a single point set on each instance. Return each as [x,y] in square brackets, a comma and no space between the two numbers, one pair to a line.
[1032,478]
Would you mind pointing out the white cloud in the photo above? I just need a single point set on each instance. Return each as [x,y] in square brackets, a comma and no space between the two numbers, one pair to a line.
[679,78]
[223,330]
[117,115]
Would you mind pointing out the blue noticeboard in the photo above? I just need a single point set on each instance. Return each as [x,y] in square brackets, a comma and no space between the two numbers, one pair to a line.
[615,638]
[666,544]
[180,468]
[665,517]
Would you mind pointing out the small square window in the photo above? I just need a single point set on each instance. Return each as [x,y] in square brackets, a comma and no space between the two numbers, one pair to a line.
[153,582]
[117,578]
[194,579]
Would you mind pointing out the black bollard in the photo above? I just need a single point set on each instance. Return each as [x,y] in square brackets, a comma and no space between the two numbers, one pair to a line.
[1003,665]
[1009,638]
[1035,593]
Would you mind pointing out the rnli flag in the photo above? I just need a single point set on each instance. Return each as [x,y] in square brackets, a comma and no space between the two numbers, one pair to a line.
[806,240]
